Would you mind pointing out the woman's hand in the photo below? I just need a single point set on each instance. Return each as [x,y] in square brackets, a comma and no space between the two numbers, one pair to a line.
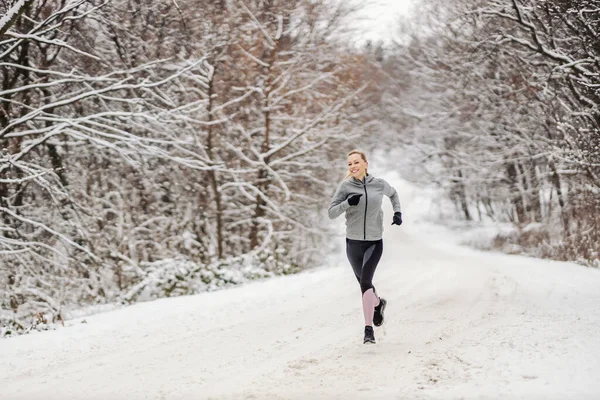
[353,200]
[397,218]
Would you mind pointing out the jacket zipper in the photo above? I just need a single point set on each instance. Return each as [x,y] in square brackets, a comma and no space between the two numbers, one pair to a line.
[366,203]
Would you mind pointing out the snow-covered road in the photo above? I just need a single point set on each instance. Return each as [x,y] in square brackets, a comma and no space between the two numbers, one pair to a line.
[461,324]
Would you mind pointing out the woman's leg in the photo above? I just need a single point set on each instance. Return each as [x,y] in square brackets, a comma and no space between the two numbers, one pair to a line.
[364,257]
[355,253]
[370,300]
[371,256]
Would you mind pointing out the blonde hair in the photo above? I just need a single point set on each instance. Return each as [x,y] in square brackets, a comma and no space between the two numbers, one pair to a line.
[362,155]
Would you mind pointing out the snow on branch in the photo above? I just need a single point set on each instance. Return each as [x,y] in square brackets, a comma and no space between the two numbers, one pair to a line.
[327,113]
[55,42]
[13,13]
[49,230]
[121,85]
[260,26]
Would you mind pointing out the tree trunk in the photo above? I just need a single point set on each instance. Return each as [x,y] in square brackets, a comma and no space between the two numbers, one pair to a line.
[263,182]
[263,174]
[212,174]
[462,195]
[561,202]
[516,198]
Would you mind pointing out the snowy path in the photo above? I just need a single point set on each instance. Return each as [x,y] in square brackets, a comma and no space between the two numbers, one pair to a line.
[461,324]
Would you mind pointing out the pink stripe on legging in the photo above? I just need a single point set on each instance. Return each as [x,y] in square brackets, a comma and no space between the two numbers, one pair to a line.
[369,301]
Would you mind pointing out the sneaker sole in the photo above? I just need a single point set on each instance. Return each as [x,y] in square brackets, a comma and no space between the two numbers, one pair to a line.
[382,313]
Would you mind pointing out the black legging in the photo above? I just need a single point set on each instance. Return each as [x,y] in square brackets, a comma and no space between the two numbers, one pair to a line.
[364,256]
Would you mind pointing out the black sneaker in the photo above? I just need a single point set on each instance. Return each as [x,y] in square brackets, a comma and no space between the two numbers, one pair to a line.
[378,316]
[369,335]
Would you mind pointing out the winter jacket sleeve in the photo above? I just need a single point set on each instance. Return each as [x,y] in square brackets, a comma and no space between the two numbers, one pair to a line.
[339,204]
[390,192]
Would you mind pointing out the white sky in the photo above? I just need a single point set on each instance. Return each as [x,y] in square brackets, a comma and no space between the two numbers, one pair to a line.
[381,18]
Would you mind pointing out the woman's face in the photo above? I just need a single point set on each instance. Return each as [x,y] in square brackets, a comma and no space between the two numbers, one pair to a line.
[357,166]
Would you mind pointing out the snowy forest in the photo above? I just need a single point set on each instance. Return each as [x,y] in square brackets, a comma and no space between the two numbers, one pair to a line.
[154,149]
[499,103]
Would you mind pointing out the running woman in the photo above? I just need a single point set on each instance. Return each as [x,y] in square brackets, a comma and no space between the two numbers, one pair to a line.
[360,196]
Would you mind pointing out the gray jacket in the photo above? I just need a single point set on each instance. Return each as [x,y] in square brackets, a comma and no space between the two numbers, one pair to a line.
[365,220]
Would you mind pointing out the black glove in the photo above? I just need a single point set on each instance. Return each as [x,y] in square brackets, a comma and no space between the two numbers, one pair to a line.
[397,218]
[354,199]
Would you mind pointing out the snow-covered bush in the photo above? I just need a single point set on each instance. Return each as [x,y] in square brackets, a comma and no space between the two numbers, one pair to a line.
[37,323]
[178,277]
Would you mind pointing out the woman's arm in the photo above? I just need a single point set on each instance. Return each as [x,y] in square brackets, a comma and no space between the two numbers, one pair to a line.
[339,204]
[390,192]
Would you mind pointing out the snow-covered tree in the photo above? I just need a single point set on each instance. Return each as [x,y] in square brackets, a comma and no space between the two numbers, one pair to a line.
[149,152]
[503,96]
